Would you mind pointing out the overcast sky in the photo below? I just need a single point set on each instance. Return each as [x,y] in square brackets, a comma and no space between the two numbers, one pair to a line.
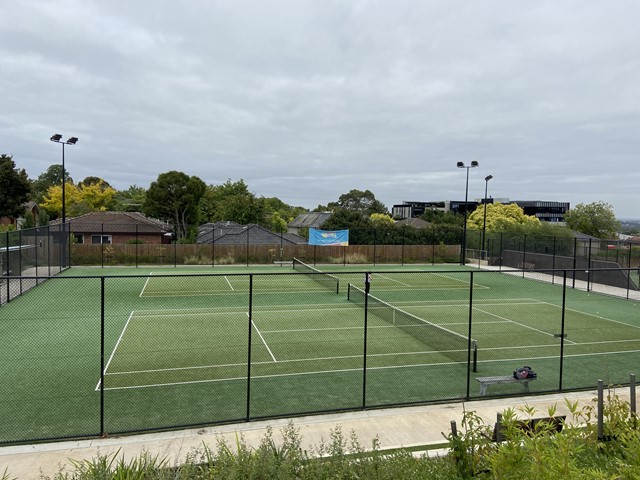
[308,99]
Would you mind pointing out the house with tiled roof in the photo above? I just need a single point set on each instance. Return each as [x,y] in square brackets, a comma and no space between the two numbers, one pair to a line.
[307,220]
[231,233]
[118,227]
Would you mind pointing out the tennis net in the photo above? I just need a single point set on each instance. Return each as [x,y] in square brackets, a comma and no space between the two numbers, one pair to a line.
[330,282]
[451,344]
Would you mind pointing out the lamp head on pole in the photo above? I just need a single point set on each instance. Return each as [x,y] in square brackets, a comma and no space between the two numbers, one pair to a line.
[474,164]
[488,177]
[56,137]
[72,141]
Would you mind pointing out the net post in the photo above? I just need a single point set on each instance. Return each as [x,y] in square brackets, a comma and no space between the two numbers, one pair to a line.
[348,291]
[337,286]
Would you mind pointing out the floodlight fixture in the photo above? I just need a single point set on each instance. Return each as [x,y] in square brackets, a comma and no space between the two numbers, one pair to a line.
[484,219]
[463,251]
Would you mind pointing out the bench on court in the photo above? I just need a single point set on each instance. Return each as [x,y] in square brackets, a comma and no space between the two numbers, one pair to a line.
[283,262]
[502,379]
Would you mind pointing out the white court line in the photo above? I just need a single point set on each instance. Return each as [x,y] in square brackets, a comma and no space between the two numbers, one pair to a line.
[115,348]
[520,324]
[595,316]
[392,279]
[346,370]
[262,338]
[230,286]
[145,284]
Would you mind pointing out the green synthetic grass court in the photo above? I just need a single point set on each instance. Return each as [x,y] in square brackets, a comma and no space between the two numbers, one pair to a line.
[176,344]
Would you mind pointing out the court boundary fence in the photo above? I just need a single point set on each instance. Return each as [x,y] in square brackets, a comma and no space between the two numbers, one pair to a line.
[563,278]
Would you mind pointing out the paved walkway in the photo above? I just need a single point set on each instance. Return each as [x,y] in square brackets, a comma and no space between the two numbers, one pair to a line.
[397,427]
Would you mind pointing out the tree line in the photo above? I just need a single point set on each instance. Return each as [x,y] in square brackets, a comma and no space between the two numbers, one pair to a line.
[187,201]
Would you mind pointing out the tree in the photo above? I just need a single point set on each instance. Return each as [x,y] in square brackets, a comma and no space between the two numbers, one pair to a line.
[175,197]
[359,201]
[440,217]
[596,219]
[502,218]
[53,176]
[382,220]
[95,181]
[278,224]
[14,188]
[231,201]
[130,200]
[78,199]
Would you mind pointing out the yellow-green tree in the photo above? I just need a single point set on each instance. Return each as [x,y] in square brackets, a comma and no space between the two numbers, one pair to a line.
[502,218]
[79,199]
[382,220]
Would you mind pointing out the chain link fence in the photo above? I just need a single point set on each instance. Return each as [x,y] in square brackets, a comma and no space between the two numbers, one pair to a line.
[89,356]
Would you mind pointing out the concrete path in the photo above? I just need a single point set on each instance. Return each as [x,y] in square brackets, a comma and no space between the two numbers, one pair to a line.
[397,427]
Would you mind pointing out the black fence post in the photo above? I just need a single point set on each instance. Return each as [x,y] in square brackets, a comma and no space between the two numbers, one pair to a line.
[562,329]
[213,245]
[36,254]
[248,227]
[364,353]
[402,251]
[524,253]
[102,346]
[501,252]
[8,268]
[589,266]
[575,254]
[553,263]
[49,249]
[20,259]
[137,240]
[469,335]
[250,327]
[101,245]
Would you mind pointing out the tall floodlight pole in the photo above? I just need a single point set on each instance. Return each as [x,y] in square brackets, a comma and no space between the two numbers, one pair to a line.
[71,141]
[474,164]
[484,220]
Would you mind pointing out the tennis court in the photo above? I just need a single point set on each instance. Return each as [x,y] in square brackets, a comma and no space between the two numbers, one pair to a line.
[135,350]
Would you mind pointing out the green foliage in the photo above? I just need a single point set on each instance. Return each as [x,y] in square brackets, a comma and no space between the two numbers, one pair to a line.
[439,217]
[382,220]
[502,218]
[358,201]
[231,201]
[51,177]
[175,197]
[596,219]
[129,200]
[14,188]
[278,224]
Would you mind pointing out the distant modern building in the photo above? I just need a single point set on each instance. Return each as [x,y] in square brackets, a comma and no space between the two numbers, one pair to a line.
[544,211]
[409,209]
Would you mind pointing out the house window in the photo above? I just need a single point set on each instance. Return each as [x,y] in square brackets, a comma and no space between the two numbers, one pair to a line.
[78,237]
[98,239]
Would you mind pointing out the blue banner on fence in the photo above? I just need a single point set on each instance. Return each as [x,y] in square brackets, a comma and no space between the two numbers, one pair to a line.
[329,238]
